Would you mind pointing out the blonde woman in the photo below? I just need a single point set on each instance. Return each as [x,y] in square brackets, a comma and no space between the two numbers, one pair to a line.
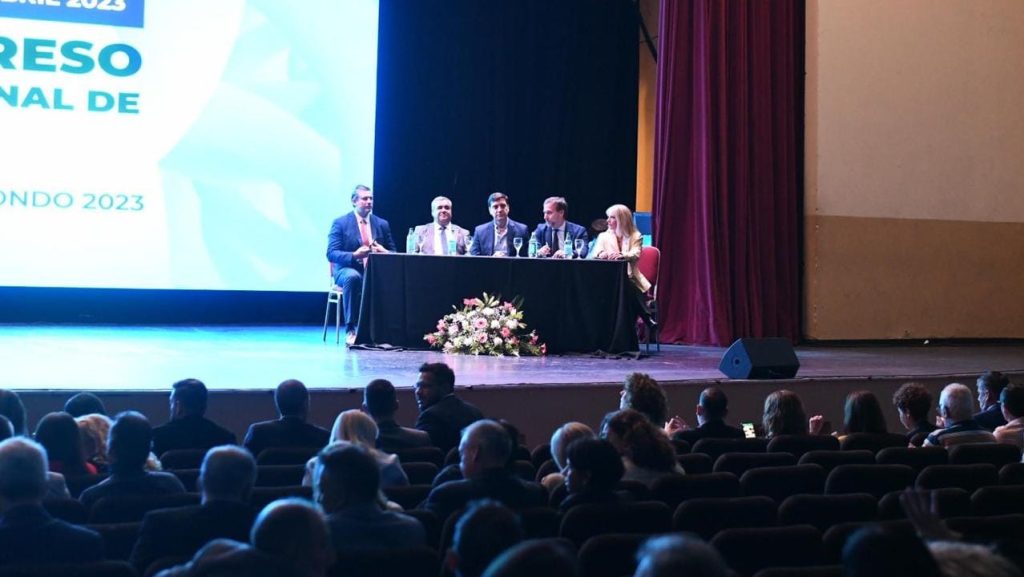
[358,428]
[622,241]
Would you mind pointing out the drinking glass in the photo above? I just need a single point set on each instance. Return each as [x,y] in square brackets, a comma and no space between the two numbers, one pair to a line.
[419,244]
[518,243]
[578,243]
[469,245]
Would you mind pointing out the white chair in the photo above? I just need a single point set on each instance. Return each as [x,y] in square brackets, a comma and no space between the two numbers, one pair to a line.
[333,297]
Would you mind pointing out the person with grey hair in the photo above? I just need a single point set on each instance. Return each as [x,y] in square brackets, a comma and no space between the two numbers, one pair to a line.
[28,534]
[990,410]
[483,459]
[956,407]
[225,482]
[970,560]
[560,441]
[435,237]
[673,555]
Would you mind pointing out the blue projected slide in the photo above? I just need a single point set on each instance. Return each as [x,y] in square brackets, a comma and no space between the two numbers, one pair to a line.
[181,144]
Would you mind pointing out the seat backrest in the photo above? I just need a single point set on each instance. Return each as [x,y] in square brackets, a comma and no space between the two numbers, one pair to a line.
[966,477]
[408,496]
[674,489]
[875,480]
[715,448]
[78,483]
[65,509]
[431,524]
[739,463]
[541,454]
[415,562]
[999,500]
[947,502]
[824,511]
[421,455]
[182,458]
[1012,474]
[584,521]
[798,445]
[118,539]
[829,460]
[650,266]
[747,551]
[188,477]
[695,463]
[989,529]
[279,475]
[263,496]
[873,442]
[997,454]
[133,509]
[706,517]
[286,455]
[781,482]
[612,555]
[918,458]
[835,538]
[421,473]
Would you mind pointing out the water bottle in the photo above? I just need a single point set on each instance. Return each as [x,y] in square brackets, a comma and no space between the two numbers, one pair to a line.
[452,245]
[532,251]
[410,242]
[567,245]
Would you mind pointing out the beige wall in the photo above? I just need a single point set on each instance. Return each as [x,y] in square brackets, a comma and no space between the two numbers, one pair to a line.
[914,177]
[645,104]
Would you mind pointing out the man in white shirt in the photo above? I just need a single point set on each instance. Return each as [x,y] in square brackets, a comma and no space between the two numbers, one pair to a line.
[434,237]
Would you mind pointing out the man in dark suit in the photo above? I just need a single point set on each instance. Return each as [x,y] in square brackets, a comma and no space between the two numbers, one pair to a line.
[483,457]
[188,429]
[225,482]
[711,411]
[443,416]
[497,238]
[380,402]
[990,385]
[291,430]
[352,238]
[28,535]
[555,236]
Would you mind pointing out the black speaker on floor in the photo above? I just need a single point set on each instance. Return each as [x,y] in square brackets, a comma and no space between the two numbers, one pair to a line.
[771,358]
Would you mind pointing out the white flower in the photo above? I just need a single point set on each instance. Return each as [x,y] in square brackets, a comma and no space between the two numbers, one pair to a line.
[495,324]
[453,330]
[488,312]
[497,341]
[449,346]
[512,324]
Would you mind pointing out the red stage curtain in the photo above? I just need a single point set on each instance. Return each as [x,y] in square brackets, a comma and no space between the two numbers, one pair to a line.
[728,169]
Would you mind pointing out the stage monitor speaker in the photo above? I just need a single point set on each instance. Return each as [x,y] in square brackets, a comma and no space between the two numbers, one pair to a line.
[771,358]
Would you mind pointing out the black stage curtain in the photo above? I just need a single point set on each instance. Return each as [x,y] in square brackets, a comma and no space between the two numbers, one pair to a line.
[533,98]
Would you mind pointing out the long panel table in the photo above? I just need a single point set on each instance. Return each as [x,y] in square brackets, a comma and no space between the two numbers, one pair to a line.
[574,305]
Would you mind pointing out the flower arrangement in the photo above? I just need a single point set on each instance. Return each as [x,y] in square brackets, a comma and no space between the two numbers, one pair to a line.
[486,326]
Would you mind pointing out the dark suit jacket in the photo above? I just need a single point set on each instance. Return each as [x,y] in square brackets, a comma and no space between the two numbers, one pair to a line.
[445,419]
[286,432]
[991,417]
[498,484]
[709,430]
[544,235]
[28,534]
[368,527]
[191,432]
[391,437]
[483,238]
[184,530]
[139,484]
[344,239]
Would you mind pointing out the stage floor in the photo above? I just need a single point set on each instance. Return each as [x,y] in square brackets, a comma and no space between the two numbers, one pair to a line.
[108,358]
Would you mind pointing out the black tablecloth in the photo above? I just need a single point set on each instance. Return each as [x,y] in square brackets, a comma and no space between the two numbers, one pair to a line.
[575,306]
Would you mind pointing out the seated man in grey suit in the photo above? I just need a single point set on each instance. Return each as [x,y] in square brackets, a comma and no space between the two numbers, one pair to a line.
[434,237]
[555,236]
[380,402]
[497,238]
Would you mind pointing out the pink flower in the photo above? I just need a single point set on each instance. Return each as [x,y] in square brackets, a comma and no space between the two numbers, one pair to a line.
[481,337]
[544,349]
[505,332]
[431,339]
[513,341]
[480,323]
[441,326]
[468,302]
[533,338]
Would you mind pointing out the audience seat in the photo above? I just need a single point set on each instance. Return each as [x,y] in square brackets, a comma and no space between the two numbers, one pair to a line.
[524,470]
[286,455]
[421,455]
[118,538]
[165,563]
[612,555]
[540,522]
[409,496]
[182,459]
[816,571]
[133,509]
[188,477]
[673,490]
[824,511]
[695,463]
[950,502]
[416,562]
[747,551]
[420,473]
[452,458]
[835,538]
[998,500]
[637,490]
[541,454]
[829,460]
[70,510]
[781,482]
[739,463]
[78,483]
[1012,474]
[279,475]
[682,447]
[431,524]
[967,477]
[263,496]
[706,517]
[715,448]
[584,521]
[798,445]
[97,569]
[875,480]
[988,529]
[873,442]
[918,458]
[546,468]
[996,454]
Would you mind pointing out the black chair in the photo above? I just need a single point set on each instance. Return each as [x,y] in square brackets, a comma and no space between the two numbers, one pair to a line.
[835,538]
[286,455]
[739,463]
[676,489]
[585,521]
[875,480]
[781,482]
[420,473]
[182,458]
[715,448]
[97,569]
[999,500]
[949,502]
[263,496]
[873,442]
[65,509]
[695,463]
[431,524]
[706,517]
[748,551]
[540,522]
[989,529]
[824,511]
[997,454]
[524,469]
[132,509]
[637,490]
[682,447]
[967,477]
[546,468]
[78,483]
[279,475]
[118,539]
[188,477]
[408,496]
[612,555]
[540,454]
[421,455]
[829,460]
[416,562]
[918,458]
[799,445]
[1012,474]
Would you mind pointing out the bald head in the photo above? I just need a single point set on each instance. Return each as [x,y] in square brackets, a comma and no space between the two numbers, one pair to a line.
[485,445]
[956,403]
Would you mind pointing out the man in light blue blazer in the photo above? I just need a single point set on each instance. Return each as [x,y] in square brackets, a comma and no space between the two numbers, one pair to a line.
[552,234]
[432,238]
[352,238]
[496,238]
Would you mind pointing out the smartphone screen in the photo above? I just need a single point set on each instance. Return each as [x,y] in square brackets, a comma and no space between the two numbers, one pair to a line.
[748,430]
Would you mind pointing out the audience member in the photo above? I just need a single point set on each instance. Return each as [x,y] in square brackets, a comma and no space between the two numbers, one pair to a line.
[453,472]
[12,408]
[346,484]
[990,386]
[58,434]
[496,238]
[356,427]
[484,452]
[862,413]
[560,441]
[28,534]
[84,404]
[678,555]
[188,428]
[556,236]
[1012,404]
[712,407]
[875,551]
[970,560]
[784,415]
[381,403]
[442,414]
[622,241]
[956,405]
[646,451]
[56,485]
[643,394]
[94,429]
[128,450]
[290,430]
[913,401]
[433,237]
[536,558]
[592,473]
[483,532]
[225,482]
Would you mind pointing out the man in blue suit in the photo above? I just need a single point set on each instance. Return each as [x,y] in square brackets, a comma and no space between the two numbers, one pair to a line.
[496,238]
[556,235]
[351,240]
